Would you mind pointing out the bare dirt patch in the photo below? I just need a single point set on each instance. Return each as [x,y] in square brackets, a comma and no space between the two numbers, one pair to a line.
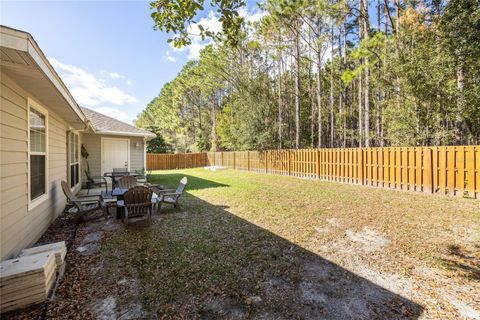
[369,240]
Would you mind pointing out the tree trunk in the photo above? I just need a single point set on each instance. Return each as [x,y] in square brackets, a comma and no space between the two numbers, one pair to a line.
[280,102]
[340,86]
[360,120]
[297,88]
[319,84]
[397,26]
[360,96]
[310,92]
[345,91]
[459,121]
[332,117]
[365,31]
[214,123]
[397,15]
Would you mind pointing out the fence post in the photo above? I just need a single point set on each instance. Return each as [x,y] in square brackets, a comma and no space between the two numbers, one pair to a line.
[222,158]
[234,160]
[248,160]
[317,159]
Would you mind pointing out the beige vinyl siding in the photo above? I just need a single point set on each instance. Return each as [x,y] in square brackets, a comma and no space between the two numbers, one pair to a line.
[136,154]
[20,227]
[93,144]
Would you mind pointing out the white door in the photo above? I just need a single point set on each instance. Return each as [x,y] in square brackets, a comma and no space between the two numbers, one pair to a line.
[115,154]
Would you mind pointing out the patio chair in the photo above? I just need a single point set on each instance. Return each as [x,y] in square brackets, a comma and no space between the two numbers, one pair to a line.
[82,205]
[118,173]
[171,196]
[126,182]
[143,176]
[137,201]
[93,182]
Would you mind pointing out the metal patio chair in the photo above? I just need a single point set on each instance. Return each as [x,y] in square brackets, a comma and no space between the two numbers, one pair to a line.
[93,182]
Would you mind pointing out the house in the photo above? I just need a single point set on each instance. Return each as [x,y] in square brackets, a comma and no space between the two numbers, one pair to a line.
[42,129]
[111,143]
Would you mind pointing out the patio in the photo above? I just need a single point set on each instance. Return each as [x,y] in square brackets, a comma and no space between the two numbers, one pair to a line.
[246,245]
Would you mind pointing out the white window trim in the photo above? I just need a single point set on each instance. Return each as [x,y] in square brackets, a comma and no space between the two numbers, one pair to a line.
[70,160]
[35,105]
[102,160]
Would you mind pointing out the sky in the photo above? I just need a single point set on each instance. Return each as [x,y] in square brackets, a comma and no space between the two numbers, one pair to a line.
[106,52]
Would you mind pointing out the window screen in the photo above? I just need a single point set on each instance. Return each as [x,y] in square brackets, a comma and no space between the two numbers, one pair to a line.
[38,153]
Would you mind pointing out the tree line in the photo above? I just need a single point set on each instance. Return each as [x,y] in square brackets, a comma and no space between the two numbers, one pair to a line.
[330,73]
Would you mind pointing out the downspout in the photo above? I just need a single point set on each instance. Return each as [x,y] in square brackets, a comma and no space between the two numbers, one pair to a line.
[145,154]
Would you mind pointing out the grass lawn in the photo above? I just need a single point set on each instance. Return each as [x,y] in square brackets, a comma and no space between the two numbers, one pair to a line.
[248,245]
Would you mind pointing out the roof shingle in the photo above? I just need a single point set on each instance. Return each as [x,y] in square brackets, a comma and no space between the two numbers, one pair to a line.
[102,123]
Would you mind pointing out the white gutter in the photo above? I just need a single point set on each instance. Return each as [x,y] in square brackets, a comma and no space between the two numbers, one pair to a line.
[132,134]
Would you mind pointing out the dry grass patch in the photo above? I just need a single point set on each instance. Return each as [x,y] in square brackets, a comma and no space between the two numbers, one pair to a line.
[249,245]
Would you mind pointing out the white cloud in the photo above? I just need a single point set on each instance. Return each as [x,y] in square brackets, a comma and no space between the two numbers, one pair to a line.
[115,75]
[116,113]
[170,57]
[251,16]
[210,23]
[89,90]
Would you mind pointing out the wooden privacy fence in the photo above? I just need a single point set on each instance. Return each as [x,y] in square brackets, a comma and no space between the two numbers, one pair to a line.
[447,170]
[451,170]
[166,161]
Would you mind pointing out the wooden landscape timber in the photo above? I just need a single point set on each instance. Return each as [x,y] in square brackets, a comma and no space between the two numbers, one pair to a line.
[58,248]
[450,170]
[26,280]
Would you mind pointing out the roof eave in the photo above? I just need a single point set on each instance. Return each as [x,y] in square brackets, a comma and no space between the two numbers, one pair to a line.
[132,134]
[23,41]
[54,77]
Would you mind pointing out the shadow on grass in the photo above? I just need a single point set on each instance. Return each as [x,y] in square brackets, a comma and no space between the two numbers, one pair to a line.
[170,180]
[207,263]
[466,263]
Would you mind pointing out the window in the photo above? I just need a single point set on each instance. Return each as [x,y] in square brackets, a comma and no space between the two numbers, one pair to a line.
[37,123]
[74,159]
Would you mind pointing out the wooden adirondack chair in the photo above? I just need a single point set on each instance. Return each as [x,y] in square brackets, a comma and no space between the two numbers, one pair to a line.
[82,205]
[171,196]
[127,182]
[137,201]
[118,173]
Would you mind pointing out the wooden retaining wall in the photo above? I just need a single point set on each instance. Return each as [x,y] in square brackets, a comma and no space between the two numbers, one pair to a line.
[453,170]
